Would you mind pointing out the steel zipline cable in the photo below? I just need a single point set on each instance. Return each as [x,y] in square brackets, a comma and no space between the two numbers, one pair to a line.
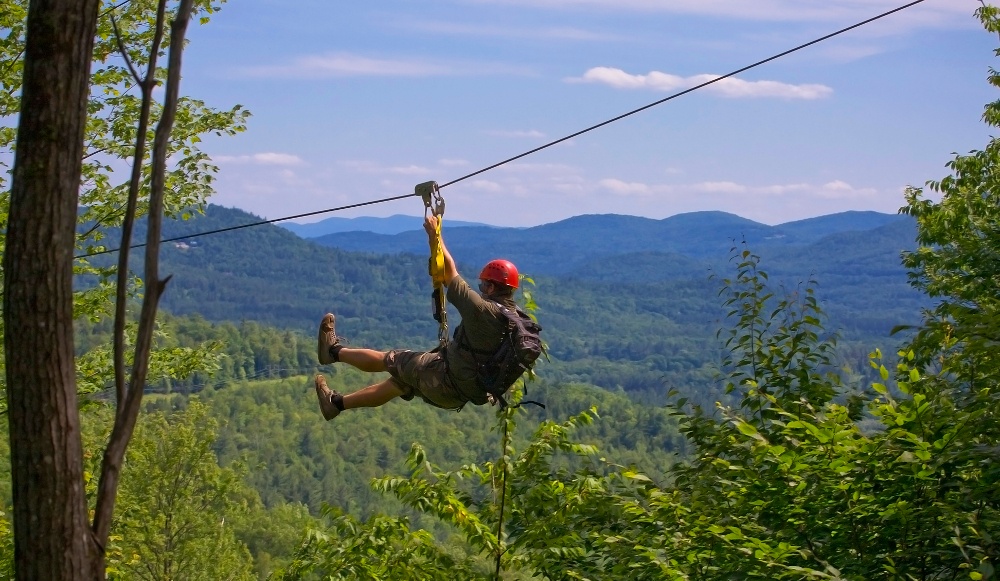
[547,145]
[252,224]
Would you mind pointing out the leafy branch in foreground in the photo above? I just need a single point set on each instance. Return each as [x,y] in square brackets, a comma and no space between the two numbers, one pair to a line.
[380,548]
[783,484]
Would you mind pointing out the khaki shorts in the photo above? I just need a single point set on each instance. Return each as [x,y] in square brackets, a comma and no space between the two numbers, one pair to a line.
[424,375]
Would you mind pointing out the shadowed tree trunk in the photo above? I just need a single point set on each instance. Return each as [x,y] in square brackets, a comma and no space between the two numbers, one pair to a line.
[52,536]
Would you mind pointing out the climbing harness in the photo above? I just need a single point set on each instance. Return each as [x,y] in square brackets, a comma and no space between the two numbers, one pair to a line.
[434,204]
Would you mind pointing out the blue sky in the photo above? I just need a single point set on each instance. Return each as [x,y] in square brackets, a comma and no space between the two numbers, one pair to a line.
[355,101]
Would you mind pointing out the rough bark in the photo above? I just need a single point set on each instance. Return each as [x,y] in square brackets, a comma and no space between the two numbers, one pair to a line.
[52,539]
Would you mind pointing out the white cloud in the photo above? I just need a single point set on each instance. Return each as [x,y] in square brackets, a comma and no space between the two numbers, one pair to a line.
[729,87]
[453,162]
[349,65]
[947,13]
[486,186]
[719,188]
[622,188]
[267,158]
[368,167]
[409,170]
[834,190]
[782,190]
[843,53]
[539,168]
[838,185]
[532,133]
[839,190]
[339,65]
[358,165]
[477,30]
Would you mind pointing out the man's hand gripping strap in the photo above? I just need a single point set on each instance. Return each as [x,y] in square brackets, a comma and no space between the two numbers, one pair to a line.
[434,203]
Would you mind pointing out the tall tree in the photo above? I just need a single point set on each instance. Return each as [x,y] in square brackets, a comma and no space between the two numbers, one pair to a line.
[53,538]
[52,535]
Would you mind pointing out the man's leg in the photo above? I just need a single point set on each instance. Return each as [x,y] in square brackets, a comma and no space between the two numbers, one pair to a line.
[331,403]
[373,395]
[364,359]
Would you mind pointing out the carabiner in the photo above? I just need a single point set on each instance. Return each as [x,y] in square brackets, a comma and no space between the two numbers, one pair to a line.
[433,201]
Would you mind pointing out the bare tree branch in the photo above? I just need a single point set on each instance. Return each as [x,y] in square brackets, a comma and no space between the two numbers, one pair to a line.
[124,53]
[146,85]
[129,406]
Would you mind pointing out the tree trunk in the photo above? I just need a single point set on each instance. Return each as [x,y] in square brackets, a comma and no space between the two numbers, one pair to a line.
[52,538]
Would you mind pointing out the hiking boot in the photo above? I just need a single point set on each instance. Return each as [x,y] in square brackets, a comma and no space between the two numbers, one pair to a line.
[326,395]
[327,338]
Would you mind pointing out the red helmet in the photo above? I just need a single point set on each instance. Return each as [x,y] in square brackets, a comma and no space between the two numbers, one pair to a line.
[501,271]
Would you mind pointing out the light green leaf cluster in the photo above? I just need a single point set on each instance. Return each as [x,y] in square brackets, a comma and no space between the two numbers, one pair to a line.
[379,548]
[114,111]
[95,368]
[113,114]
[956,261]
[178,510]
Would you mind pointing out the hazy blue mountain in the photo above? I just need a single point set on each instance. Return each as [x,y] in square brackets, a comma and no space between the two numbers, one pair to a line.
[569,247]
[392,225]
[288,278]
[853,221]
[560,247]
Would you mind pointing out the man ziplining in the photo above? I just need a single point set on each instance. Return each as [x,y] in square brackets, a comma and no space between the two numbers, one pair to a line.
[447,377]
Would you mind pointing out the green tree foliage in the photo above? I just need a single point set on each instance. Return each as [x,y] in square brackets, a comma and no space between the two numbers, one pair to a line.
[274,535]
[170,362]
[177,508]
[6,548]
[180,514]
[110,139]
[381,547]
[114,111]
[784,484]
[275,427]
[956,262]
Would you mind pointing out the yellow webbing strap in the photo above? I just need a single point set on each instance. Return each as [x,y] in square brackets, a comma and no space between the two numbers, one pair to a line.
[434,203]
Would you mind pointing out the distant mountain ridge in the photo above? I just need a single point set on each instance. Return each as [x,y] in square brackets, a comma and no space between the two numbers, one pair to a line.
[391,225]
[563,247]
[399,223]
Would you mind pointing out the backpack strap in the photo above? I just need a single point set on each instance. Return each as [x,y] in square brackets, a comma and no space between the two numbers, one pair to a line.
[462,339]
[463,343]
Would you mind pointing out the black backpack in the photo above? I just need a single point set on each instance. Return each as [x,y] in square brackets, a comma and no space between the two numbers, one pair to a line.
[521,346]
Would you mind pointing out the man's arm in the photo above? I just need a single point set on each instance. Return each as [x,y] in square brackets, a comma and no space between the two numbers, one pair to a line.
[450,271]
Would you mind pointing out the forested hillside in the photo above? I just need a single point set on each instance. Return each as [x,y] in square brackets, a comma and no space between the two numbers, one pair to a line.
[643,321]
[276,427]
